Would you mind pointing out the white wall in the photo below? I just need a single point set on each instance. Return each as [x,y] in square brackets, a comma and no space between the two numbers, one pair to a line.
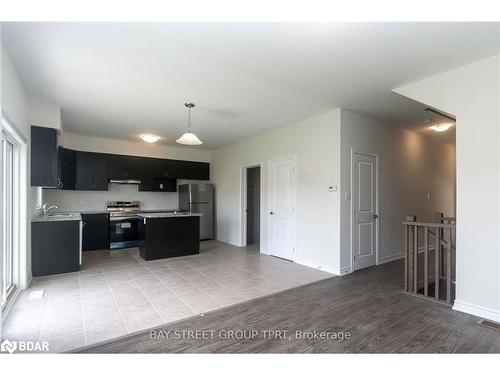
[315,143]
[45,113]
[139,148]
[96,200]
[411,165]
[15,107]
[472,94]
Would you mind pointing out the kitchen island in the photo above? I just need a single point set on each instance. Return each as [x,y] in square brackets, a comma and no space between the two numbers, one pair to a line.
[168,235]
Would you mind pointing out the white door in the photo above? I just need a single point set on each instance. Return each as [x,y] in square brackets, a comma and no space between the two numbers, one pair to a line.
[282,209]
[365,210]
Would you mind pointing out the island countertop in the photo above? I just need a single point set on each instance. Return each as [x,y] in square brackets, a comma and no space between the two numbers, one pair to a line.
[154,215]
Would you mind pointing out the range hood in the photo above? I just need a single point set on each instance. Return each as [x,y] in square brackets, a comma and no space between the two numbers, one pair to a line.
[126,182]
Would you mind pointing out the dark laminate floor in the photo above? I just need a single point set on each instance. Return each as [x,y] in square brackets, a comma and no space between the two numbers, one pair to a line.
[369,304]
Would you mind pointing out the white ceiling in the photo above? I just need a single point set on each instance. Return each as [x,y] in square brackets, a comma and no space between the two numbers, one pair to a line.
[118,80]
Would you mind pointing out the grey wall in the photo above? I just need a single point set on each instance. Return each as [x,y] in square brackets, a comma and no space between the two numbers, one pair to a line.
[253,205]
[410,166]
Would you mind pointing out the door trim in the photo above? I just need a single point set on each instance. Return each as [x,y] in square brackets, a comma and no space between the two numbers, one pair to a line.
[243,201]
[269,181]
[351,221]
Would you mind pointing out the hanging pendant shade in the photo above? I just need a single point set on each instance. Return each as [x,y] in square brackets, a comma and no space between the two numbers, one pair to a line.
[189,138]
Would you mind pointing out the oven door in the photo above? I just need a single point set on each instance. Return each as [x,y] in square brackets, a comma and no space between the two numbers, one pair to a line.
[125,233]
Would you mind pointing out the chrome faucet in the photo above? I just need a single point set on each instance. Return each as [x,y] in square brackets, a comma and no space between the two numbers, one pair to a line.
[45,210]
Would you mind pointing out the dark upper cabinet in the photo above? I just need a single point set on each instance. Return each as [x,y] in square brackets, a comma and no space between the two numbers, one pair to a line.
[67,167]
[193,170]
[134,167]
[180,169]
[95,234]
[145,166]
[100,172]
[44,157]
[91,171]
[80,170]
[164,168]
[165,184]
[122,167]
[116,167]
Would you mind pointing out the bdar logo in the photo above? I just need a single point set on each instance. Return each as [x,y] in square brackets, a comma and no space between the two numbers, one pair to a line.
[8,346]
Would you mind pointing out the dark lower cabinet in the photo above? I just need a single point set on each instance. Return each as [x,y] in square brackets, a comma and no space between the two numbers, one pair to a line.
[95,231]
[55,247]
[44,157]
[171,237]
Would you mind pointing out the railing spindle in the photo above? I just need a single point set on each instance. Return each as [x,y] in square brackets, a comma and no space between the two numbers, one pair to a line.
[415,261]
[426,260]
[405,236]
[437,257]
[448,265]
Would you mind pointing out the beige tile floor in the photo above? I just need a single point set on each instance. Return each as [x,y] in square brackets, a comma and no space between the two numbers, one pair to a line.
[117,292]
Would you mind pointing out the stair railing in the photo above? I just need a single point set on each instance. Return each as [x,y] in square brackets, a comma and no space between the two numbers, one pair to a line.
[418,247]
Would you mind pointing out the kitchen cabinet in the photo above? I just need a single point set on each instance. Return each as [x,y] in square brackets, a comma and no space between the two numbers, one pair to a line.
[164,168]
[193,170]
[55,247]
[67,168]
[134,166]
[95,231]
[146,175]
[165,184]
[82,170]
[123,167]
[166,237]
[91,171]
[44,157]
[180,169]
[116,167]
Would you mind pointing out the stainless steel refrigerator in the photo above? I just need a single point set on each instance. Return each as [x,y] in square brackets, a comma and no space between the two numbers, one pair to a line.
[199,198]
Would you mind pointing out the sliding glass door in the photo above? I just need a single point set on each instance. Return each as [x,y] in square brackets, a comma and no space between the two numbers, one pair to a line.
[8,255]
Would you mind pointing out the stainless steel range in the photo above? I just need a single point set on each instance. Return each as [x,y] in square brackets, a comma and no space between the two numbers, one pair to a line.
[119,210]
[126,229]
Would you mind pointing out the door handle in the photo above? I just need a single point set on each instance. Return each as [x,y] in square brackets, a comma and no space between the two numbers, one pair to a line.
[271,213]
[375,216]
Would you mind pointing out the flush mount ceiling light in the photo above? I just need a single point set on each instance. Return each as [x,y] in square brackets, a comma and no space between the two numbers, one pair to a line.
[442,127]
[189,138]
[150,138]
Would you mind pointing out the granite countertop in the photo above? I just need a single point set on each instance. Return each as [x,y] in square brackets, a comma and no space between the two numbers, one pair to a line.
[68,216]
[154,215]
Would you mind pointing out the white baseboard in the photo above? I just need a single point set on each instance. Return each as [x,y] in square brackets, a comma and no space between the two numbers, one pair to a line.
[390,258]
[346,271]
[318,267]
[229,242]
[482,312]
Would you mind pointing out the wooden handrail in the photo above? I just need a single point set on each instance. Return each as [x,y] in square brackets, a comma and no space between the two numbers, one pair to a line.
[430,225]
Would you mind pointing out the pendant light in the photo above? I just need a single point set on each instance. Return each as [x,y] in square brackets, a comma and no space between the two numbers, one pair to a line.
[189,138]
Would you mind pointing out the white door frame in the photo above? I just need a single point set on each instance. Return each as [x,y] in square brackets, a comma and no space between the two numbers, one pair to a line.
[294,179]
[243,200]
[22,275]
[377,222]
